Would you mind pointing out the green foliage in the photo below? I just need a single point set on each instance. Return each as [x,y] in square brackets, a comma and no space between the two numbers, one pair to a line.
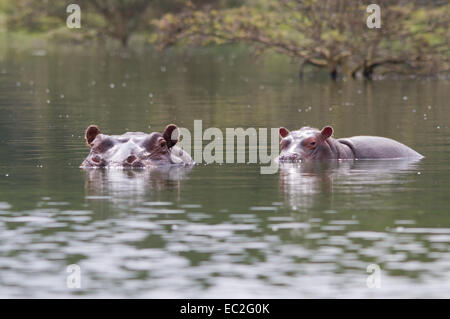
[35,16]
[119,19]
[324,33]
[331,34]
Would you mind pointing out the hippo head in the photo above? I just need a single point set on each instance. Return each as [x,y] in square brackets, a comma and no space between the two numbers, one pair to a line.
[133,149]
[305,144]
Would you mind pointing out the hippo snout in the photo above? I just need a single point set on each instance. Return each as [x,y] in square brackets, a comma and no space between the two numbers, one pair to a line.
[133,161]
[290,157]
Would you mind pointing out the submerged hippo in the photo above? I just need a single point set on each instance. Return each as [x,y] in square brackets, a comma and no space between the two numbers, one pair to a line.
[309,143]
[134,149]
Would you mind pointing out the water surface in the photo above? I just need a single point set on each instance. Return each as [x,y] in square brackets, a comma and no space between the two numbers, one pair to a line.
[216,230]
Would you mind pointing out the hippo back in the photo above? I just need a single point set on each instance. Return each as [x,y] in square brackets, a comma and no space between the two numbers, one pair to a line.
[375,147]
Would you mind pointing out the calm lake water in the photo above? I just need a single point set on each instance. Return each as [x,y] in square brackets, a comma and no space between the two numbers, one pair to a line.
[216,230]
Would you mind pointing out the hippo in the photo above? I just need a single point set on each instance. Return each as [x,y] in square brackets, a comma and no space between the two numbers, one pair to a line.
[309,144]
[134,149]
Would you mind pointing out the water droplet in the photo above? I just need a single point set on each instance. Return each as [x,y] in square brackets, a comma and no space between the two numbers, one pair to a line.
[405,98]
[112,85]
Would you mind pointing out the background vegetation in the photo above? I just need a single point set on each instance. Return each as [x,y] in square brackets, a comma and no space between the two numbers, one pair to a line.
[414,36]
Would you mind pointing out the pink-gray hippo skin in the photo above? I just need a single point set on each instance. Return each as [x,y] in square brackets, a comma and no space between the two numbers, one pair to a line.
[134,149]
[309,144]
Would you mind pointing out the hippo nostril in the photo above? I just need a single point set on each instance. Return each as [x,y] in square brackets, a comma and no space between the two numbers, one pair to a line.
[96,159]
[131,159]
[292,157]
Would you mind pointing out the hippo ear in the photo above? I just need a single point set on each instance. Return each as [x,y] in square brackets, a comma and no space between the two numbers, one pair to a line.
[91,133]
[284,132]
[327,131]
[171,135]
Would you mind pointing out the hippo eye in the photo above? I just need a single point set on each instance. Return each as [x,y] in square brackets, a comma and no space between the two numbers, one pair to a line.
[313,143]
[162,142]
[284,143]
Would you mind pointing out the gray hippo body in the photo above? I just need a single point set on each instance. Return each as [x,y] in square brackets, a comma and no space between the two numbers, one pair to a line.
[312,144]
[376,147]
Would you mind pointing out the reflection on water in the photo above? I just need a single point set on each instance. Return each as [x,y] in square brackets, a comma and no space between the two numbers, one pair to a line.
[310,230]
[303,183]
[124,189]
[119,184]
